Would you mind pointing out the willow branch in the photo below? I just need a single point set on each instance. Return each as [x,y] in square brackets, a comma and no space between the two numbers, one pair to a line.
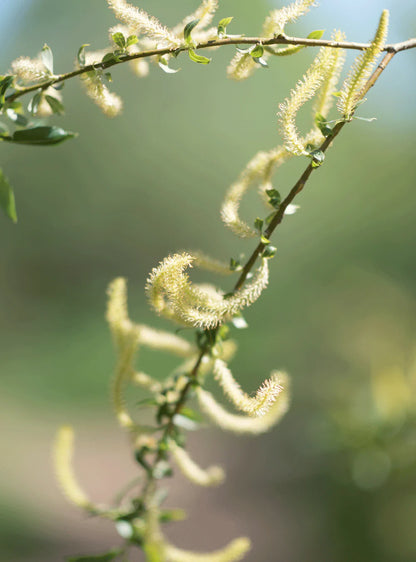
[278,40]
[300,184]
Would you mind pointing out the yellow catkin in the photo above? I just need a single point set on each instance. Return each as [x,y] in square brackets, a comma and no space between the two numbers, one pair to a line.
[257,405]
[212,476]
[245,424]
[233,552]
[62,455]
[362,68]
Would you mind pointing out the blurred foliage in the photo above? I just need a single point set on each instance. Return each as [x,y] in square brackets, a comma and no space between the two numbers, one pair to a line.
[339,314]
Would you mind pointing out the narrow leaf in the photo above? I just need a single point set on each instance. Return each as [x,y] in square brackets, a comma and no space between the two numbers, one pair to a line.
[163,63]
[188,30]
[7,202]
[81,54]
[55,105]
[47,58]
[107,557]
[119,40]
[222,26]
[198,58]
[132,40]
[41,136]
[33,105]
[16,117]
[317,34]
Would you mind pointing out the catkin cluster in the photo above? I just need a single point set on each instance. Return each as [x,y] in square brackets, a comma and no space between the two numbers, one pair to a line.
[204,307]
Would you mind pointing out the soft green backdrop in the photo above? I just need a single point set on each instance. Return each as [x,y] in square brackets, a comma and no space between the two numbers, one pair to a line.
[336,481]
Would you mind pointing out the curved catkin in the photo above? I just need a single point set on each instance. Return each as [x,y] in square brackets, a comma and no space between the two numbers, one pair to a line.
[29,70]
[62,456]
[233,552]
[110,103]
[172,295]
[204,13]
[305,90]
[325,97]
[257,405]
[242,65]
[212,476]
[259,169]
[140,23]
[245,424]
[277,20]
[362,68]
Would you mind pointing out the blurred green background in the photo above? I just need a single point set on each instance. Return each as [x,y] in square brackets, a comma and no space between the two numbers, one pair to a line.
[336,481]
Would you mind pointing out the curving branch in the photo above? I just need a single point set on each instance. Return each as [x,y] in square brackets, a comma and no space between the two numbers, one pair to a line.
[279,40]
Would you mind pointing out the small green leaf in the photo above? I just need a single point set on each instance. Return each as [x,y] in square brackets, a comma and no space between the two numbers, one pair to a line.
[162,470]
[183,421]
[16,117]
[119,40]
[41,136]
[132,40]
[163,63]
[47,58]
[191,414]
[269,251]
[110,57]
[274,198]
[81,54]
[258,225]
[33,105]
[264,240]
[167,515]
[222,26]
[234,264]
[5,83]
[286,51]
[317,34]
[318,158]
[367,119]
[257,51]
[107,557]
[188,30]
[322,125]
[55,105]
[7,202]
[198,58]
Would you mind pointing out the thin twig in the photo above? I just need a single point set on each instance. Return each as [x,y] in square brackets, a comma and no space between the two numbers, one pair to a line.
[279,40]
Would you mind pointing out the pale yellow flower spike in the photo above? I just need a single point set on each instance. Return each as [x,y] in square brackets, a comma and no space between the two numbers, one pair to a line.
[259,168]
[304,91]
[325,97]
[246,424]
[141,23]
[233,552]
[62,456]
[204,13]
[362,69]
[212,476]
[122,377]
[172,295]
[110,103]
[277,20]
[242,65]
[211,264]
[254,406]
[29,70]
